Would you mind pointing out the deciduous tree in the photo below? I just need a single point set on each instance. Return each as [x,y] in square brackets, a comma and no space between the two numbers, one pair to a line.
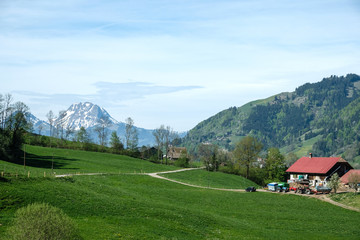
[159,135]
[115,142]
[334,182]
[208,153]
[247,151]
[274,165]
[50,116]
[14,123]
[102,131]
[131,134]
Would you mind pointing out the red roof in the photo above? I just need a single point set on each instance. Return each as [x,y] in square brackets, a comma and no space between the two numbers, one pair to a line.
[319,165]
[345,179]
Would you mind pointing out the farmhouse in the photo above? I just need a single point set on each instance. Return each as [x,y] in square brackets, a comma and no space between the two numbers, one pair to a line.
[318,170]
[174,153]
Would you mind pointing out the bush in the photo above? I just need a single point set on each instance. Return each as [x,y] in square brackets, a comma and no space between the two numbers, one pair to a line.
[183,161]
[42,221]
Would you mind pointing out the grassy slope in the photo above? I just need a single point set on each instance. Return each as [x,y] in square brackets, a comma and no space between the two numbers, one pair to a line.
[140,207]
[304,149]
[39,160]
[350,199]
[211,179]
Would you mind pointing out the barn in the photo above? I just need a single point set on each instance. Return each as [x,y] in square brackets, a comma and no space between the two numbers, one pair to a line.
[318,170]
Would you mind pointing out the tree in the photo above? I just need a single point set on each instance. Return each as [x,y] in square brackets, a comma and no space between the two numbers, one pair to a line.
[50,116]
[159,135]
[334,182]
[169,136]
[14,124]
[290,159]
[82,136]
[115,142]
[101,130]
[246,152]
[208,153]
[131,134]
[274,165]
[40,127]
[17,125]
[69,131]
[6,109]
[354,180]
[60,124]
[164,136]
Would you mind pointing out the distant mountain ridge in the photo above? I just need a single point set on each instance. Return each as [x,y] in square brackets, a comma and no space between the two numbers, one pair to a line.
[322,117]
[89,116]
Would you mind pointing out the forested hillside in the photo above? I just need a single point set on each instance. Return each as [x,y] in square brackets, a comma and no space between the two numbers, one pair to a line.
[321,117]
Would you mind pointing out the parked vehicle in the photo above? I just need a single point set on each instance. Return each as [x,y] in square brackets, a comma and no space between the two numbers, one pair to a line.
[302,186]
[322,189]
[272,186]
[283,187]
[250,189]
[278,187]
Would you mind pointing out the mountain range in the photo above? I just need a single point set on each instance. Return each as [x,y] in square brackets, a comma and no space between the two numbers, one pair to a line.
[89,116]
[322,118]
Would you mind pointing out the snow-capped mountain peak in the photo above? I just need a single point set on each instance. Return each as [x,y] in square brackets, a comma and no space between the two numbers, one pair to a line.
[84,115]
[89,116]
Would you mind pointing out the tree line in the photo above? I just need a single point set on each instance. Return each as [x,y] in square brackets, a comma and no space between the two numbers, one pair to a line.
[247,159]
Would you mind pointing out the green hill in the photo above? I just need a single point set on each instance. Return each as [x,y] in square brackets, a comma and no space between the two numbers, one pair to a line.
[321,117]
[66,161]
[135,206]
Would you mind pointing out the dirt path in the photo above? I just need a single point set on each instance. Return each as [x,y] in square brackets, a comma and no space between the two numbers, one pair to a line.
[156,175]
[78,174]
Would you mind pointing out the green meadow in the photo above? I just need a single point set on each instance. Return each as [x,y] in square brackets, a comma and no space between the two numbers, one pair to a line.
[64,161]
[204,178]
[120,205]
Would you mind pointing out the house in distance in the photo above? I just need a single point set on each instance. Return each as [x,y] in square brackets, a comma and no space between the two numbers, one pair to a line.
[174,153]
[318,170]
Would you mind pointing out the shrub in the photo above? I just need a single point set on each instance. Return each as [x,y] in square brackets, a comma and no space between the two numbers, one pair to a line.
[42,221]
[183,161]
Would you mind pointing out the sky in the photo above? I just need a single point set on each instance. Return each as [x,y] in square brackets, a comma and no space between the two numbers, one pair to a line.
[174,62]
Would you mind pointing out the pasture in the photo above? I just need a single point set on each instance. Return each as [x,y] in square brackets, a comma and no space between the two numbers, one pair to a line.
[134,206]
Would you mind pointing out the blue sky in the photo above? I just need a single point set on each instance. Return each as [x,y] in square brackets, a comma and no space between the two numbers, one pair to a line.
[170,62]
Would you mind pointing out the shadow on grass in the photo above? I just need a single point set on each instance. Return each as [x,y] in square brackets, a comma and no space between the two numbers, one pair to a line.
[32,160]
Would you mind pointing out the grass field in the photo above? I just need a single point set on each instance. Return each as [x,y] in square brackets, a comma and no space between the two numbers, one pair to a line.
[125,206]
[211,179]
[41,159]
